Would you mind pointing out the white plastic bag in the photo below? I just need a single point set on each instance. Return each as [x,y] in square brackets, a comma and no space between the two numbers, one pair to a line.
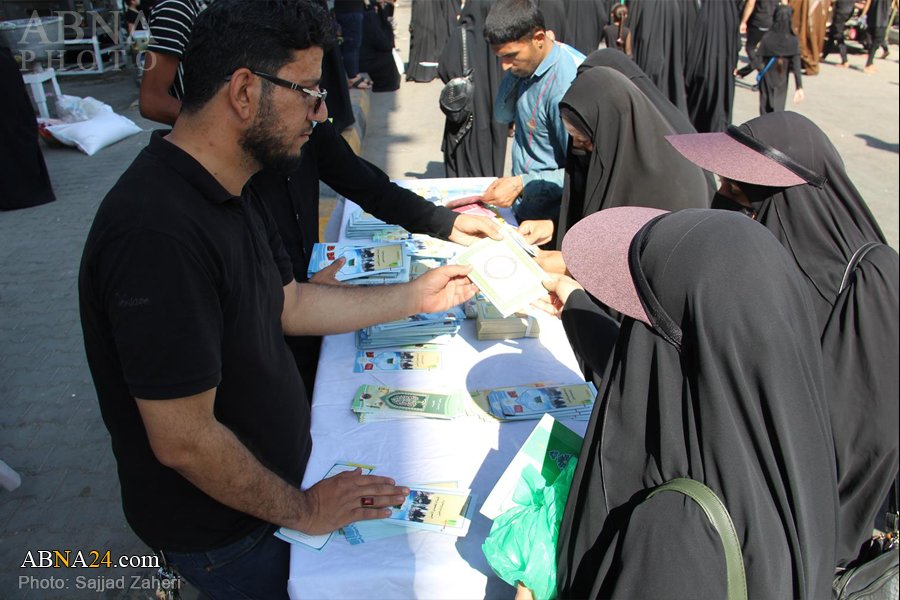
[73,109]
[95,134]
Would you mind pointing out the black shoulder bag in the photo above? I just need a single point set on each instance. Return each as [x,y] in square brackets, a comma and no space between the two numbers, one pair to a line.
[458,95]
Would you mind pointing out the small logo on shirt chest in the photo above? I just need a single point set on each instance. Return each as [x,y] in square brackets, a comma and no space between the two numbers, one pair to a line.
[123,301]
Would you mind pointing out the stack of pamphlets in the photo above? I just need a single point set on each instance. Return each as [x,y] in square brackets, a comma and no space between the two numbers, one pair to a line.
[491,325]
[433,328]
[362,225]
[419,245]
[380,403]
[378,529]
[547,450]
[505,272]
[524,402]
[365,264]
[397,360]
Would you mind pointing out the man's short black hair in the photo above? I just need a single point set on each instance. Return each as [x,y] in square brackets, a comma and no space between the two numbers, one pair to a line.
[257,34]
[511,20]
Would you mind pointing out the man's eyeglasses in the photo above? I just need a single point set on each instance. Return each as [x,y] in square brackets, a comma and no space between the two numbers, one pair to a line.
[318,95]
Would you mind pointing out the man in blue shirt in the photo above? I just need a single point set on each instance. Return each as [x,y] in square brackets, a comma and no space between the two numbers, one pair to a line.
[539,70]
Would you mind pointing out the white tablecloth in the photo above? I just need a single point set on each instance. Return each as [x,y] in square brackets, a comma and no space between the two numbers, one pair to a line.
[468,450]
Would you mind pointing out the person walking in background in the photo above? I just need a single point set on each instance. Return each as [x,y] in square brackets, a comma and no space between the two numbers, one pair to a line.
[539,70]
[755,22]
[709,67]
[479,151]
[842,11]
[778,56]
[809,25]
[349,15]
[617,35]
[877,14]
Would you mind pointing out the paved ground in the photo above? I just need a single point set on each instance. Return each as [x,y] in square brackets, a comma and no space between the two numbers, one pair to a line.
[50,427]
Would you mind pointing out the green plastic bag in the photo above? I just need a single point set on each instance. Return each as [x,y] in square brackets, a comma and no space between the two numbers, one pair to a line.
[522,542]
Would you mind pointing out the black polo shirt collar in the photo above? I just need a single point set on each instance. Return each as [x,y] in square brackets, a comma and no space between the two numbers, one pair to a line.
[189,168]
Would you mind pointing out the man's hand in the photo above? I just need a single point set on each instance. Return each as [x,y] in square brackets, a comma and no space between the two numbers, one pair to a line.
[551,261]
[328,275]
[504,191]
[338,501]
[439,289]
[799,96]
[537,232]
[743,28]
[469,228]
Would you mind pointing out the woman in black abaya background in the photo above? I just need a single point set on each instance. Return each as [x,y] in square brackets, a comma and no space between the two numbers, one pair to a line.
[555,19]
[712,56]
[482,150]
[430,25]
[703,388]
[585,20]
[823,224]
[375,54]
[658,45]
[24,180]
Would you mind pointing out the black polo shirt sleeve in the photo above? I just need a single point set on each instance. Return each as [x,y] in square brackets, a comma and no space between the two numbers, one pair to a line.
[279,254]
[165,315]
[367,185]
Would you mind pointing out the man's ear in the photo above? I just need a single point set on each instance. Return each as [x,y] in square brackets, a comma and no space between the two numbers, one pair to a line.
[539,37]
[243,92]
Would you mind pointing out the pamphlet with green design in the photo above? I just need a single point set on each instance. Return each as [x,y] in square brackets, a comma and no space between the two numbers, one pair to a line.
[548,449]
[505,273]
[391,403]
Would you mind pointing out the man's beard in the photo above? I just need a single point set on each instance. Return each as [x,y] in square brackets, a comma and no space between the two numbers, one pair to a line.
[262,144]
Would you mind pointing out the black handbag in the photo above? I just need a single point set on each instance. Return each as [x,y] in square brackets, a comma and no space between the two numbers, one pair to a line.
[875,573]
[458,94]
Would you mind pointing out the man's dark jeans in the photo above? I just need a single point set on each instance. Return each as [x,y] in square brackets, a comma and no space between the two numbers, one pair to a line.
[256,566]
[351,31]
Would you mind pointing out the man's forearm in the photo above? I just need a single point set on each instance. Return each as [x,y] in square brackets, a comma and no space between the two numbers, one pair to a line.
[161,108]
[327,310]
[748,10]
[223,468]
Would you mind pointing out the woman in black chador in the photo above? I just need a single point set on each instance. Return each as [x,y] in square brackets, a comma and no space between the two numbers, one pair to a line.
[479,149]
[716,376]
[784,171]
[376,52]
[658,45]
[24,180]
[429,28]
[712,56]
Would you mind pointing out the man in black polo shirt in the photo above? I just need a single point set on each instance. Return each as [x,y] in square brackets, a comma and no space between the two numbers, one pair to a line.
[293,198]
[756,20]
[185,293]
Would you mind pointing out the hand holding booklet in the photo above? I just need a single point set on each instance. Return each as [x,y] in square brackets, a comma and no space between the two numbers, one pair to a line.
[505,273]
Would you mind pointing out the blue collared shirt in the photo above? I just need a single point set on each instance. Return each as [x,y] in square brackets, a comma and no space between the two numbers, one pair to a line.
[539,148]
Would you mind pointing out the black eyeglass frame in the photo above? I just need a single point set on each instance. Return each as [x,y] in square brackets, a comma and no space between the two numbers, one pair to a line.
[320,96]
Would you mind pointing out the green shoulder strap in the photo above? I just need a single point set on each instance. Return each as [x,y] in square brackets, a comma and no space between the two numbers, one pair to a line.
[721,522]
